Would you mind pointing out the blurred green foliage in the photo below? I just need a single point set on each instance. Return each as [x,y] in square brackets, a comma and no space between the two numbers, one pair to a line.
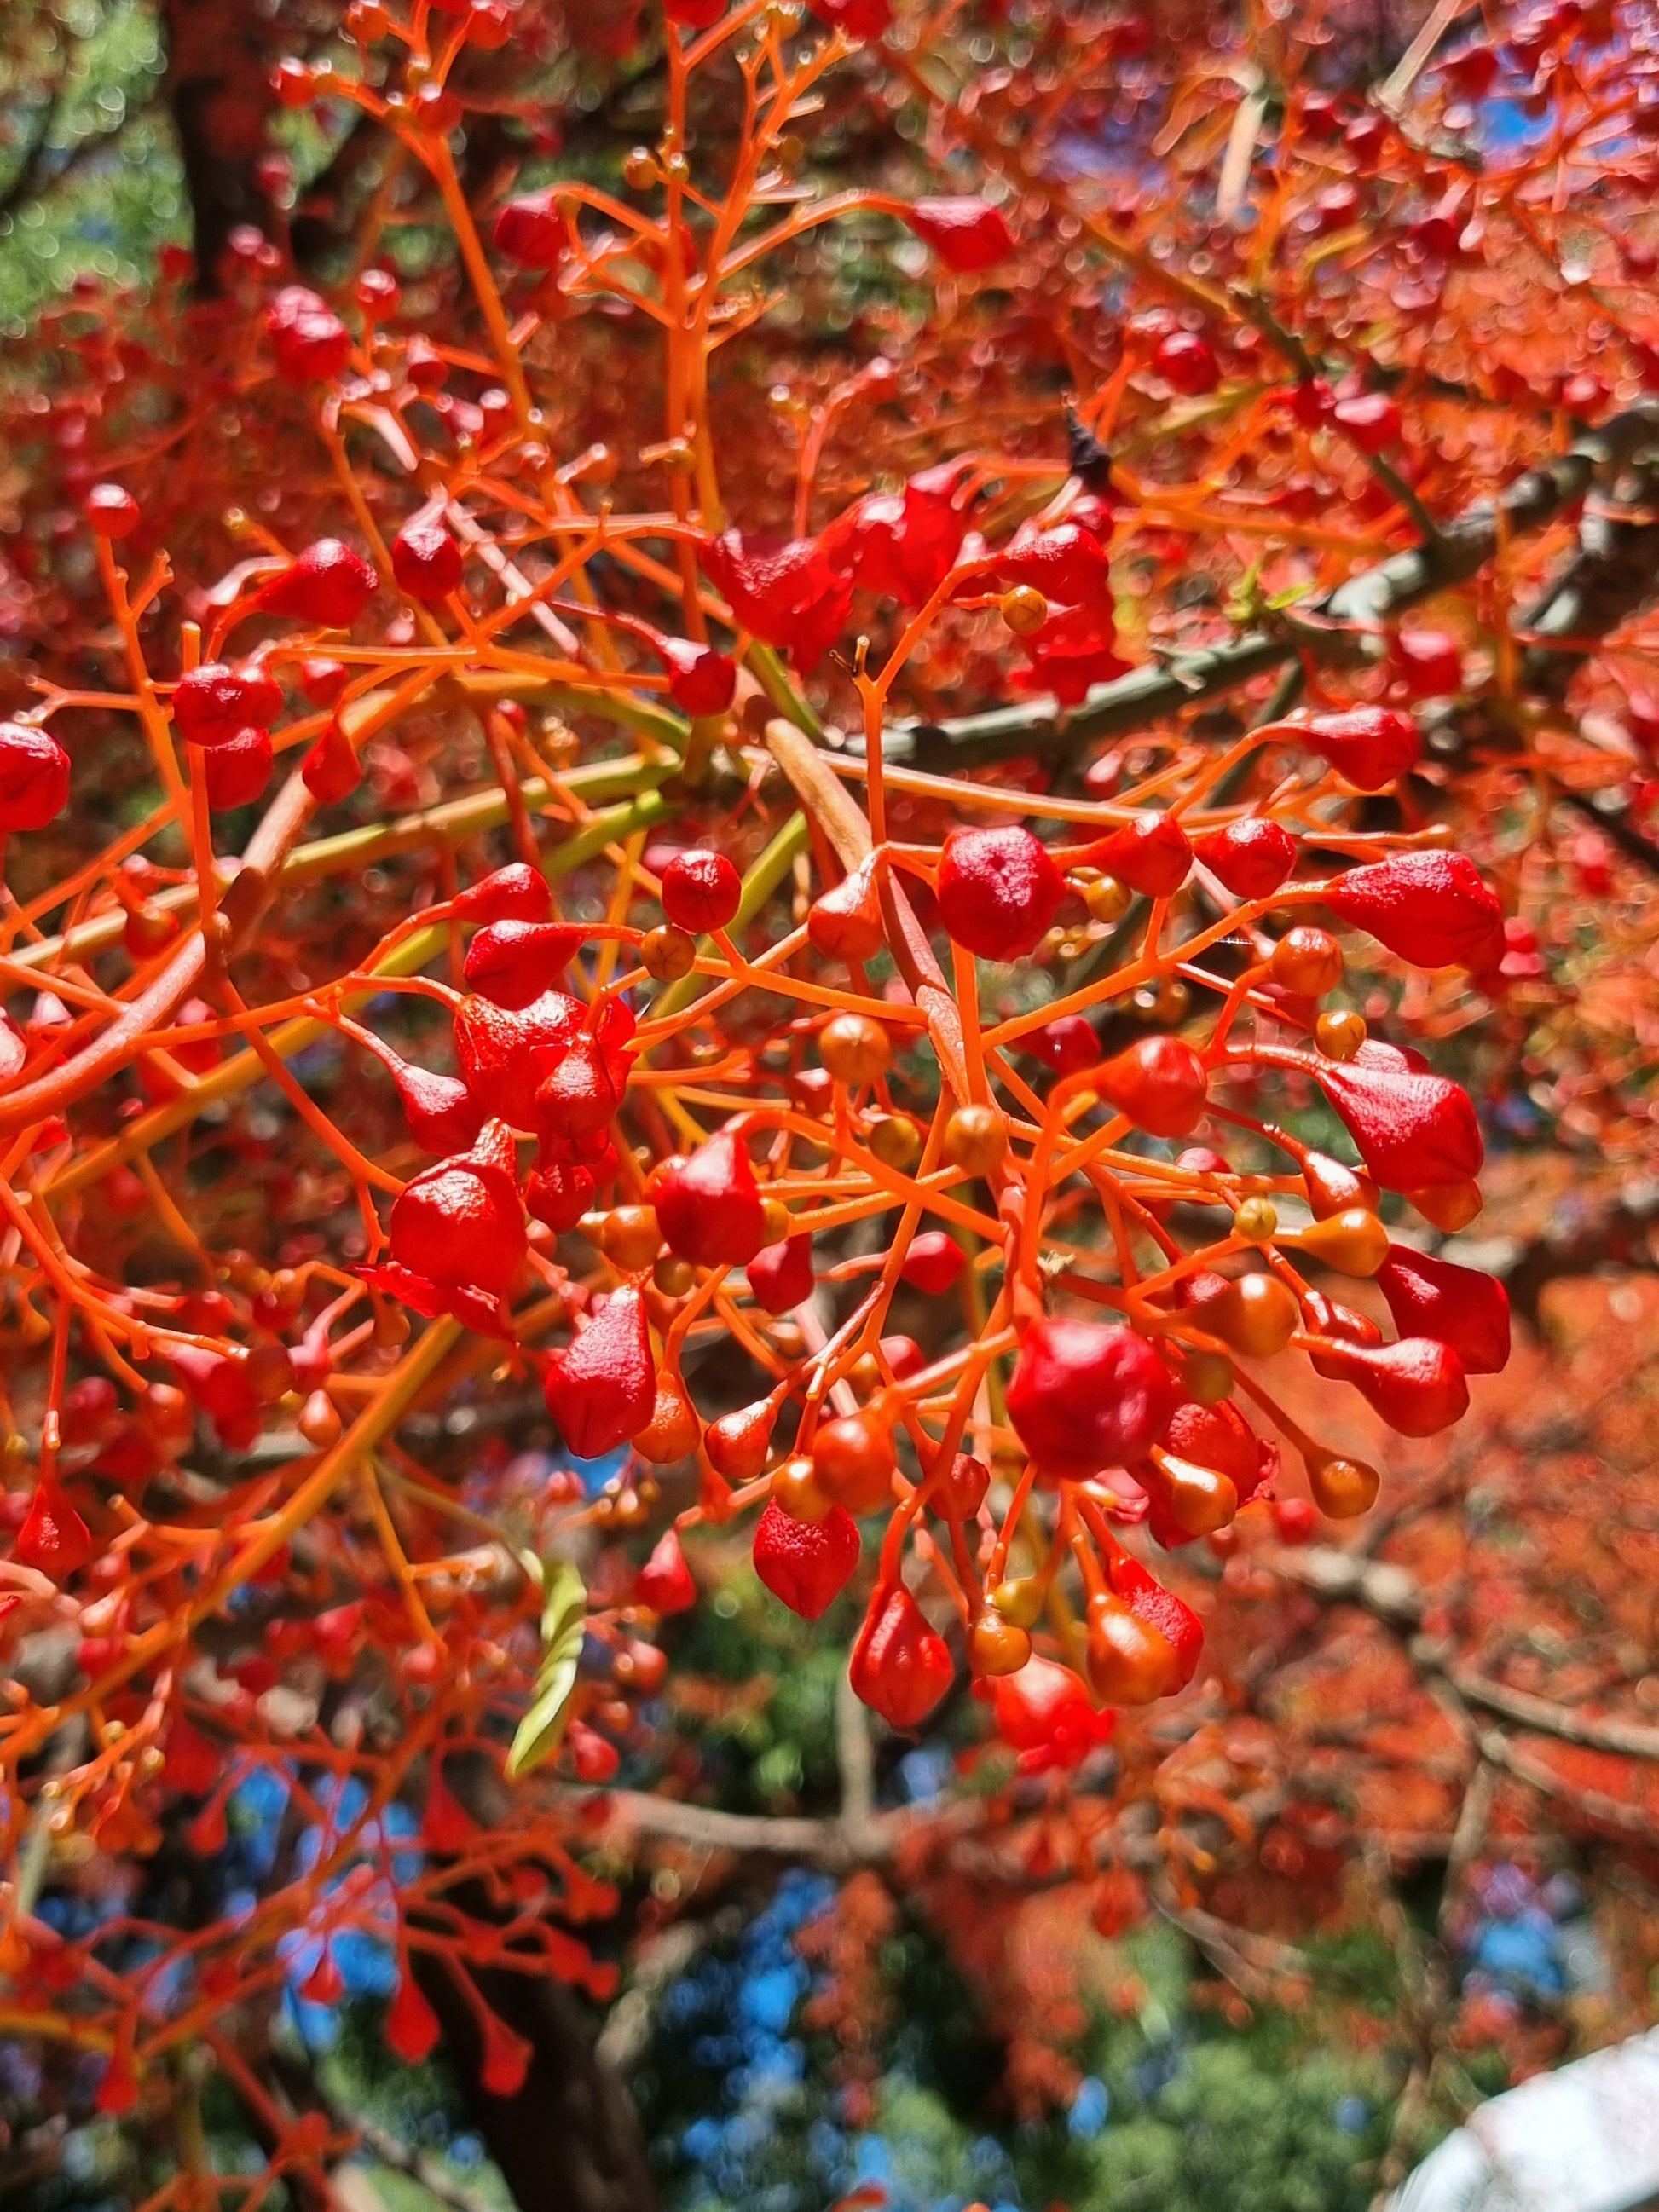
[86,148]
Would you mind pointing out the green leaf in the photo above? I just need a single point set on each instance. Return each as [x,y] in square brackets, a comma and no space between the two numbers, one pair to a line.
[564,1618]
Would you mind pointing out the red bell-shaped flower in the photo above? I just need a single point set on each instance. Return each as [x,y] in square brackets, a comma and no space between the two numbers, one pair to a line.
[1150,853]
[516,892]
[781,1276]
[1251,858]
[602,1390]
[1417,1385]
[967,234]
[1087,1395]
[328,584]
[1457,1306]
[462,1221]
[665,1581]
[1431,908]
[710,1206]
[900,1668]
[1414,1131]
[514,962]
[213,703]
[805,1564]
[998,891]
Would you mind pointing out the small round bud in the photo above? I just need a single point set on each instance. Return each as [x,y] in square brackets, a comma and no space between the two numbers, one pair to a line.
[995,1646]
[795,1491]
[1306,961]
[667,953]
[1024,610]
[896,1141]
[111,510]
[319,1422]
[1208,1377]
[1257,1220]
[854,1049]
[1343,1489]
[630,1238]
[1021,1601]
[976,1139]
[1107,899]
[640,170]
[1340,1036]
[674,1277]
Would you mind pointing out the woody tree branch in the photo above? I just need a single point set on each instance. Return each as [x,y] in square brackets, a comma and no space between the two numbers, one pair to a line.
[1340,626]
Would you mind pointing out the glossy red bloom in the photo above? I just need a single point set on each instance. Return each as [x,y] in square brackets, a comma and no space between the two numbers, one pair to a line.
[967,234]
[1417,1385]
[215,703]
[1187,362]
[558,1193]
[1045,1713]
[1067,562]
[1075,649]
[310,342]
[1174,1620]
[1150,853]
[238,770]
[410,2026]
[592,1759]
[515,962]
[845,922]
[1220,1436]
[665,1581]
[505,1054]
[702,679]
[1414,1131]
[694,14]
[530,230]
[900,1667]
[1160,1084]
[426,560]
[53,1540]
[577,1098]
[1087,1395]
[1457,1306]
[710,1206]
[35,777]
[1369,746]
[1428,662]
[220,1386]
[462,1221]
[783,590]
[331,767]
[1067,1044]
[439,1111]
[516,892]
[902,545]
[859,19]
[805,1564]
[1370,419]
[1251,858]
[111,510]
[1431,908]
[781,1276]
[328,584]
[998,891]
[933,1264]
[603,1389]
[700,891]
